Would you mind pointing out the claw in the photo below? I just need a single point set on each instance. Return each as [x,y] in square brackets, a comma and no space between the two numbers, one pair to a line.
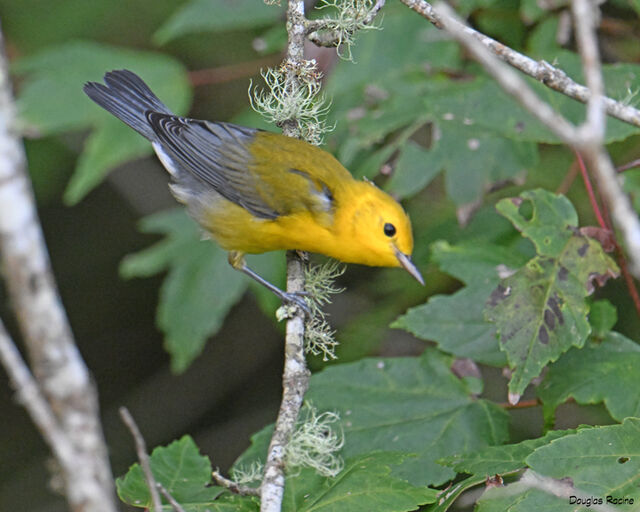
[296,298]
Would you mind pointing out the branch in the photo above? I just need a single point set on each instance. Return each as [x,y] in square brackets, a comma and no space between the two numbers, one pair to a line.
[143,457]
[234,487]
[172,501]
[542,71]
[30,396]
[56,362]
[592,134]
[587,139]
[509,80]
[295,381]
[295,378]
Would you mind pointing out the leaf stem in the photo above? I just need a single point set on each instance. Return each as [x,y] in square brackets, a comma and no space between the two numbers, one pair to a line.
[523,404]
[589,187]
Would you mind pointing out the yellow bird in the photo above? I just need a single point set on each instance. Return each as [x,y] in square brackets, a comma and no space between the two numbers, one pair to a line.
[254,191]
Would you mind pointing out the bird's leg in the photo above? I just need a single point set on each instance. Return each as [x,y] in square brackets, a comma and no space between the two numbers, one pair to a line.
[237,261]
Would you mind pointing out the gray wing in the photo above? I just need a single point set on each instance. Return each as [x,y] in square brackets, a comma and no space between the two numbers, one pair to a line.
[216,154]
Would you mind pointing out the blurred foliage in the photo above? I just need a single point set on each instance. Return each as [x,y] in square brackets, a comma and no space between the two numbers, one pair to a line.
[412,113]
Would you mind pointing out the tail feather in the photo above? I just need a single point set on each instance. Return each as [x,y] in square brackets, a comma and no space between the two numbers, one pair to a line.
[128,98]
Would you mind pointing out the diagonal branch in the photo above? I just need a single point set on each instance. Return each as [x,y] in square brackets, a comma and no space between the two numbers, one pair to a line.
[31,397]
[55,360]
[587,139]
[507,78]
[143,458]
[542,71]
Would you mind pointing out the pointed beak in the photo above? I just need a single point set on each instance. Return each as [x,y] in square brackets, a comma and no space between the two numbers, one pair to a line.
[407,264]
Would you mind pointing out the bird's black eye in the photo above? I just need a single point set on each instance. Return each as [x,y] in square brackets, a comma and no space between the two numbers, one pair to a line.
[389,229]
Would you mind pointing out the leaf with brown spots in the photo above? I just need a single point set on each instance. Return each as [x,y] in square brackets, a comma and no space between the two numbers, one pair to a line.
[540,311]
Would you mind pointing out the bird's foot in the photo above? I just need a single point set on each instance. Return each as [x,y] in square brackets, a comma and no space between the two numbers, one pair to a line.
[292,301]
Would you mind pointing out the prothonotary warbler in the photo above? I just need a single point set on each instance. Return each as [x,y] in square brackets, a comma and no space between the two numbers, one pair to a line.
[254,191]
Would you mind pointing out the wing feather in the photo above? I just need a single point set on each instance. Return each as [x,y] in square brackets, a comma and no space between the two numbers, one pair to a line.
[216,154]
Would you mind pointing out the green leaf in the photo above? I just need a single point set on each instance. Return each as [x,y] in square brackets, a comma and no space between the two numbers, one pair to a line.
[365,484]
[520,497]
[531,12]
[217,16]
[198,291]
[601,372]
[457,324]
[60,73]
[179,231]
[601,464]
[499,460]
[600,461]
[414,406]
[502,22]
[186,474]
[105,149]
[411,405]
[413,171]
[453,493]
[404,45]
[476,158]
[482,103]
[476,262]
[473,157]
[543,41]
[550,221]
[540,311]
[602,316]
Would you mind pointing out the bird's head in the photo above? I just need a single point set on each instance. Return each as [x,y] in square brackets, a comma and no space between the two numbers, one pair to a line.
[377,230]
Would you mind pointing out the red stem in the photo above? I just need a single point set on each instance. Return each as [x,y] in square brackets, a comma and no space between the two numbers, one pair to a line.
[231,72]
[605,222]
[622,261]
[592,196]
[523,404]
[569,178]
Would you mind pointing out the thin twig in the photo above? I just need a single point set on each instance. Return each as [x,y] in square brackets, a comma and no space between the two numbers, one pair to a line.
[30,396]
[295,378]
[172,501]
[585,28]
[568,179]
[590,192]
[143,457]
[56,363]
[542,71]
[523,404]
[234,487]
[631,165]
[622,262]
[507,78]
[591,143]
